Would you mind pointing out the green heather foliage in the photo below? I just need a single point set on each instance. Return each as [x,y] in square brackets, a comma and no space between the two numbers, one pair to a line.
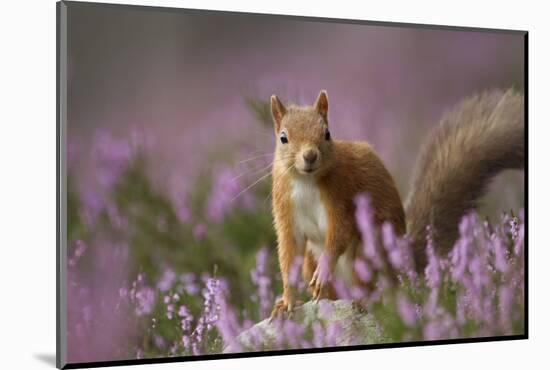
[155,275]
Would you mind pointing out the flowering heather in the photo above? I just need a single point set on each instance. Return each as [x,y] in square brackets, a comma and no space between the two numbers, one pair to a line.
[475,290]
[167,280]
[141,267]
[261,278]
[112,158]
[80,248]
[92,206]
[365,222]
[226,194]
[199,232]
[142,270]
[172,251]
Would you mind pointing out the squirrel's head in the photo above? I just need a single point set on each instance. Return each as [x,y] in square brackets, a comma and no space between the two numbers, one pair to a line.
[304,145]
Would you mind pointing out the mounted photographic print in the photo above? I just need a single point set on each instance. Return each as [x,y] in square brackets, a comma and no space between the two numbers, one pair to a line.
[234,184]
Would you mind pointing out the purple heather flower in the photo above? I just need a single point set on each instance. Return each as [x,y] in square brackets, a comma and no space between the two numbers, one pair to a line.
[210,314]
[294,276]
[501,262]
[460,311]
[167,280]
[318,335]
[506,299]
[181,204]
[186,318]
[432,331]
[183,311]
[145,301]
[399,251]
[185,341]
[430,308]
[391,245]
[228,325]
[80,248]
[189,281]
[478,270]
[365,221]
[406,310]
[261,279]
[170,311]
[362,270]
[334,332]
[518,243]
[123,293]
[199,232]
[160,343]
[514,223]
[459,257]
[433,276]
[183,213]
[92,206]
[357,292]
[291,333]
[341,288]
[112,158]
[227,192]
[117,220]
[324,268]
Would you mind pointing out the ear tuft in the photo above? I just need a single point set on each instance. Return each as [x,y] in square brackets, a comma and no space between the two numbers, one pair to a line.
[278,111]
[321,105]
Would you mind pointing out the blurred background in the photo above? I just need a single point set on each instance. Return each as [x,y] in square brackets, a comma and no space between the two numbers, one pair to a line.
[169,128]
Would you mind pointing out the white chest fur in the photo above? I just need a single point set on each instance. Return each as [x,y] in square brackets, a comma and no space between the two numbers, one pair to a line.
[310,222]
[310,216]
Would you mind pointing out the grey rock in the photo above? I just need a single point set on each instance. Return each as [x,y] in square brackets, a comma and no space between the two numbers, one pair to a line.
[313,324]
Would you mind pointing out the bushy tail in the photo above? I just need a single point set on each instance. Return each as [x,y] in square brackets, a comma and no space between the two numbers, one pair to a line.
[482,136]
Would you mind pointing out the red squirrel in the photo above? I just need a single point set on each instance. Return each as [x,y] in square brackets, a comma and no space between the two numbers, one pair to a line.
[316,179]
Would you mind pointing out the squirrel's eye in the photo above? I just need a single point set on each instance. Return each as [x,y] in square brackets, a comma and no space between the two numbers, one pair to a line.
[283,137]
[327,135]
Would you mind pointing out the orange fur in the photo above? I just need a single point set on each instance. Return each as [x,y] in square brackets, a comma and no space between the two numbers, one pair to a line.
[342,170]
[315,181]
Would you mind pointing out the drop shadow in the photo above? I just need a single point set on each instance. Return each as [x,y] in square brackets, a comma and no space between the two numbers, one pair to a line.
[47,358]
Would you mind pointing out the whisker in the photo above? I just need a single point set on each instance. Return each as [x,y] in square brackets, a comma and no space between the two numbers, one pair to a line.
[259,151]
[288,169]
[267,198]
[252,172]
[271,191]
[250,186]
[257,157]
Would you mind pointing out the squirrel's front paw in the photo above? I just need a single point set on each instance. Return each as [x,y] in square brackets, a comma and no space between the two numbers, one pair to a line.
[283,308]
[320,282]
[280,309]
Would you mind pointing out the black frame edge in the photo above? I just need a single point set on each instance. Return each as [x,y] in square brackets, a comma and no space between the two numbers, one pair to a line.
[61,310]
[160,360]
[526,181]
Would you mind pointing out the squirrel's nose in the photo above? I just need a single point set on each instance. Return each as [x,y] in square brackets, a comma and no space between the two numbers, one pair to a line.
[310,156]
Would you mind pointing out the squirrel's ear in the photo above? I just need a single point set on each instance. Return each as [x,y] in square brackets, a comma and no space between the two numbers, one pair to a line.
[278,110]
[321,104]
